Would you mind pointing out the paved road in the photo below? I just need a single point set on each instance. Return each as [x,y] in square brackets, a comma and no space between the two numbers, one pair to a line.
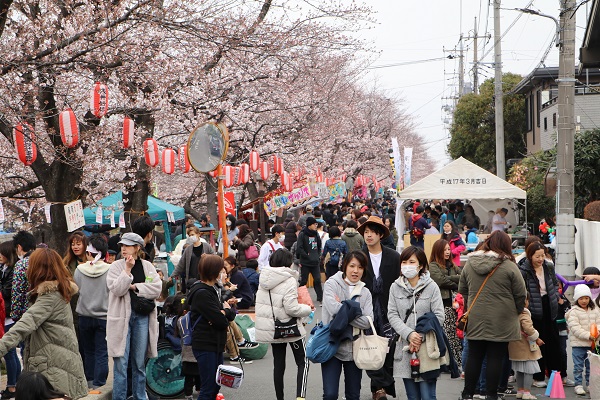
[258,382]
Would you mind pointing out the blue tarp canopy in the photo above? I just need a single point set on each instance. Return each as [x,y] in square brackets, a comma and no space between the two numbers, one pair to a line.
[157,209]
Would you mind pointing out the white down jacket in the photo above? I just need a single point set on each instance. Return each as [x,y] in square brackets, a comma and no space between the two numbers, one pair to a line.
[579,321]
[282,284]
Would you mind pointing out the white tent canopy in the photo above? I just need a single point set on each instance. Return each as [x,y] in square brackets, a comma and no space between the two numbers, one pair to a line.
[461,179]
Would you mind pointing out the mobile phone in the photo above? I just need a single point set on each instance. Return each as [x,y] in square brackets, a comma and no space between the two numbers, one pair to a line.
[238,300]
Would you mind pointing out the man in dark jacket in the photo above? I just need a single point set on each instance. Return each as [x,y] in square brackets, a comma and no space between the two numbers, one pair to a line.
[309,253]
[418,226]
[382,271]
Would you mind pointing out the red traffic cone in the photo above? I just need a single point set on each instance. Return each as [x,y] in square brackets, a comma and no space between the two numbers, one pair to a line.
[558,391]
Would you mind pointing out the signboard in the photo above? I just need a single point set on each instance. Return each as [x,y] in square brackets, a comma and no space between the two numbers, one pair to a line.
[397,161]
[407,165]
[296,196]
[230,204]
[74,215]
[331,193]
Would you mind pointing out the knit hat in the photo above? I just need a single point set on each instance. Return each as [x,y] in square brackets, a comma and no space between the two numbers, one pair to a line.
[581,291]
[310,221]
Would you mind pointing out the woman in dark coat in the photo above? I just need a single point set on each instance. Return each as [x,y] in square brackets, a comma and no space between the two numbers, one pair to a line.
[243,241]
[291,229]
[543,304]
[240,287]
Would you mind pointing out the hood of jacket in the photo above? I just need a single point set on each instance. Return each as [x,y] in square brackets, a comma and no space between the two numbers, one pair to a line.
[51,286]
[483,262]
[338,278]
[416,217]
[424,280]
[350,232]
[270,277]
[94,270]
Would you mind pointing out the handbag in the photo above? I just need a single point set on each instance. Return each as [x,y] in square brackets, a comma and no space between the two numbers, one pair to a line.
[230,376]
[141,305]
[251,253]
[369,351]
[319,347]
[461,324]
[284,330]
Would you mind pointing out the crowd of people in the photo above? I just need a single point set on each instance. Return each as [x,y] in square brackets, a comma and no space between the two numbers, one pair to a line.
[494,318]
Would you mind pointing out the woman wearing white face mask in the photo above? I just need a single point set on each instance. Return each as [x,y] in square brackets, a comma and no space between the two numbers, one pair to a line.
[187,267]
[416,312]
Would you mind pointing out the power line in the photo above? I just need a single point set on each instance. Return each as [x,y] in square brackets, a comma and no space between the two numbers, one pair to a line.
[400,64]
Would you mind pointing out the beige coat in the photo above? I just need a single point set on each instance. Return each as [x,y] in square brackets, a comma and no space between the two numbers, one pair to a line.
[579,321]
[520,350]
[119,307]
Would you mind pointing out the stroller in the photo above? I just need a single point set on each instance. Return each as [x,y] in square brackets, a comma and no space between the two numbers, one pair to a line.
[163,373]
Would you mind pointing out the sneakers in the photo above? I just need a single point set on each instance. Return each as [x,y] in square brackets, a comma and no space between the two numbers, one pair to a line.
[238,359]
[528,396]
[579,390]
[248,345]
[539,384]
[7,394]
[507,392]
[568,382]
[512,379]
[479,396]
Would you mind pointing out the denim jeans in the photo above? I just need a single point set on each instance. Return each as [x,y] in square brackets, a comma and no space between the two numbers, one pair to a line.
[579,358]
[331,371]
[208,362]
[92,334]
[13,365]
[424,390]
[136,345]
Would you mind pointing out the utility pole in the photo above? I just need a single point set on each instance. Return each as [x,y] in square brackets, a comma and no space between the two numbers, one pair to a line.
[565,160]
[461,69]
[498,94]
[475,74]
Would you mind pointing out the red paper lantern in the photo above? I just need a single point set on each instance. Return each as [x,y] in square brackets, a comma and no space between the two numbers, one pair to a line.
[24,138]
[229,173]
[69,128]
[280,165]
[344,176]
[254,161]
[317,171]
[168,161]
[184,163]
[287,181]
[265,172]
[128,130]
[274,164]
[151,154]
[99,100]
[244,173]
[237,173]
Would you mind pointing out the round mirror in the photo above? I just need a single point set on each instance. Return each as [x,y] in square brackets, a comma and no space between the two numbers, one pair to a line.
[207,146]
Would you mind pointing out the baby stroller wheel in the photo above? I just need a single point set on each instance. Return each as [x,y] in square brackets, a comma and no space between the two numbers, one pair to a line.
[163,373]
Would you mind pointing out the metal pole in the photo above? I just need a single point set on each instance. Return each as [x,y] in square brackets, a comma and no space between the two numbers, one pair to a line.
[461,69]
[565,162]
[475,72]
[499,105]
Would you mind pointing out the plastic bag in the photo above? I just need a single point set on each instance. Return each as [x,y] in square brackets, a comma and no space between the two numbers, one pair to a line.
[304,296]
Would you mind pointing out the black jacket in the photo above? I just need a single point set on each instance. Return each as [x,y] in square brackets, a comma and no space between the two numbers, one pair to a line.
[533,287]
[6,286]
[389,271]
[211,332]
[309,247]
[290,235]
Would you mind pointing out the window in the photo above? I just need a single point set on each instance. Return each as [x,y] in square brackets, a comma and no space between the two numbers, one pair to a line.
[545,124]
[529,112]
[539,106]
[554,120]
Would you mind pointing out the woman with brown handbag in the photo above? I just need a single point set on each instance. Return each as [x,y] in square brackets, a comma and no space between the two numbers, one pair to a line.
[494,292]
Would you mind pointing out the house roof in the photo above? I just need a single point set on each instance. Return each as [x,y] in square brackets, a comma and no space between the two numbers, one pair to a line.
[589,53]
[534,78]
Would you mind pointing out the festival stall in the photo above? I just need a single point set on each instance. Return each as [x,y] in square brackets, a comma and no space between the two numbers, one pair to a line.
[461,179]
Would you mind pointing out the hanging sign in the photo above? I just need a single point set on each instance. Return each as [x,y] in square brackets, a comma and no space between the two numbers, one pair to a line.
[230,203]
[99,215]
[112,219]
[122,220]
[296,196]
[47,212]
[74,215]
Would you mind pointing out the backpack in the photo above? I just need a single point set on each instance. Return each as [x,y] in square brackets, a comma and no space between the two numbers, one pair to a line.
[336,257]
[186,328]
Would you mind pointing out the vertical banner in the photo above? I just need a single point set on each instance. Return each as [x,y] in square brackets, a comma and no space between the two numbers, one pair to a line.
[47,212]
[74,215]
[99,215]
[2,217]
[407,165]
[112,219]
[397,161]
[230,203]
[122,220]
